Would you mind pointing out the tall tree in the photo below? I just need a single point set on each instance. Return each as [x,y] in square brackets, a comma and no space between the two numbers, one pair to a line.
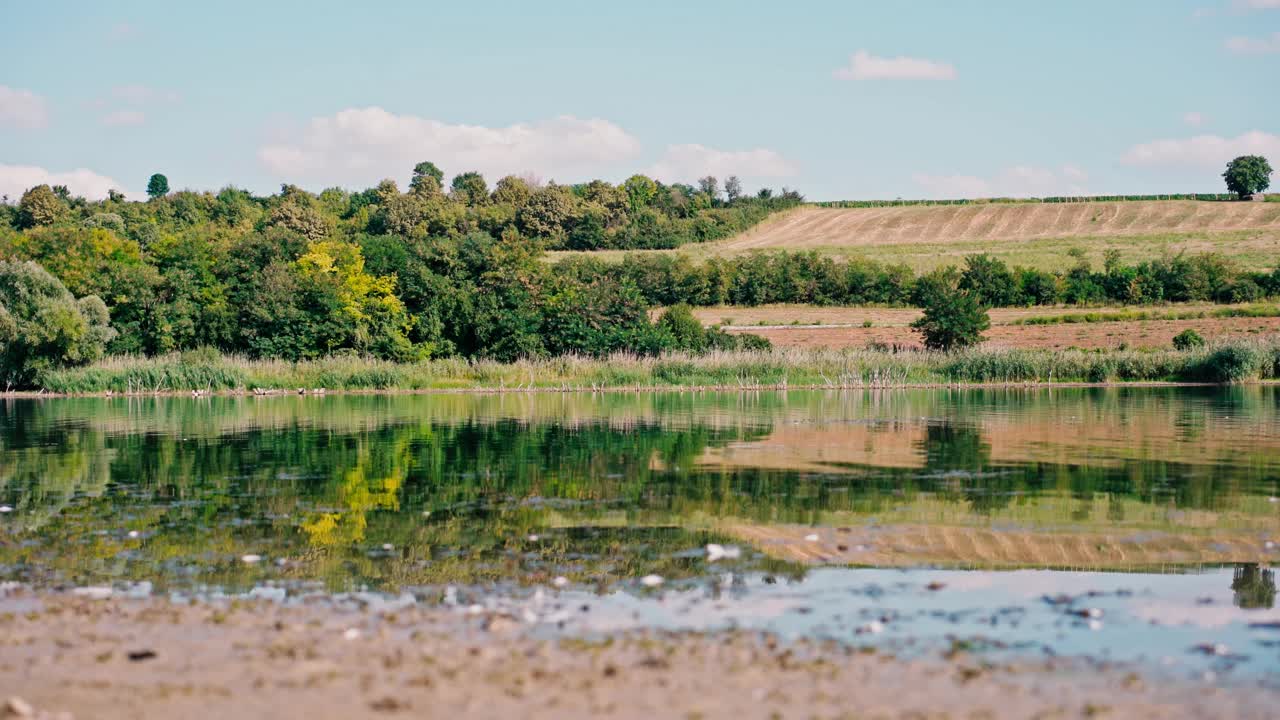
[158,186]
[40,206]
[1248,174]
[733,188]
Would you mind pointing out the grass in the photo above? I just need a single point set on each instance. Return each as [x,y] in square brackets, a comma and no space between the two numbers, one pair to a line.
[1133,315]
[1251,249]
[1236,361]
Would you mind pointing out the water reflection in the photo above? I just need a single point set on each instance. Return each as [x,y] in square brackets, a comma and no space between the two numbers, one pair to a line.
[410,490]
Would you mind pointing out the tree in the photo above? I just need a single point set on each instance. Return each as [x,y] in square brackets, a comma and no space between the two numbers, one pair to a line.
[953,318]
[1248,174]
[471,188]
[424,170]
[39,206]
[43,326]
[157,186]
[709,186]
[640,190]
[733,188]
[990,280]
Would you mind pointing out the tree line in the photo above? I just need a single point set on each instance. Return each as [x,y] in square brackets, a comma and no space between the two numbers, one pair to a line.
[396,275]
[810,278]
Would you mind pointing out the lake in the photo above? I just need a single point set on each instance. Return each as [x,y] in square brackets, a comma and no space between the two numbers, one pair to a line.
[1118,523]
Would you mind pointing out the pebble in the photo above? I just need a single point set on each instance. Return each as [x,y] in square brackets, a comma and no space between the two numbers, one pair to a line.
[651,580]
[17,707]
[811,537]
[351,634]
[250,559]
[720,552]
[872,628]
[1213,649]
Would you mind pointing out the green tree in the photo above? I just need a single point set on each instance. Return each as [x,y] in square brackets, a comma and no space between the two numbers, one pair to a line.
[425,171]
[640,191]
[990,280]
[40,206]
[1248,174]
[953,318]
[471,188]
[686,330]
[157,186]
[43,326]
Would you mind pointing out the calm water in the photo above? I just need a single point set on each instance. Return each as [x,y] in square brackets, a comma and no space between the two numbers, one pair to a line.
[487,499]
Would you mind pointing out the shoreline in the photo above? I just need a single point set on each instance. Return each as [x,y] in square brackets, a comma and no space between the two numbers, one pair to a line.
[79,657]
[772,387]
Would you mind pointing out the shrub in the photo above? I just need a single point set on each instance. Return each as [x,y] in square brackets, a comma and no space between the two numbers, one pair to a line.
[953,318]
[1230,364]
[1188,340]
[43,326]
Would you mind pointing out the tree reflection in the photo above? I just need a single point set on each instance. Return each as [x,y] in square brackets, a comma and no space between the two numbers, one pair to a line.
[1254,586]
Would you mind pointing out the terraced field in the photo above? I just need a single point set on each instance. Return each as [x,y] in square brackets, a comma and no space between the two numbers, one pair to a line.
[815,227]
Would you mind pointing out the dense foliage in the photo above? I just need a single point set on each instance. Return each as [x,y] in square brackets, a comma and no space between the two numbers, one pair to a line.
[395,275]
[1248,174]
[43,326]
[955,312]
[810,278]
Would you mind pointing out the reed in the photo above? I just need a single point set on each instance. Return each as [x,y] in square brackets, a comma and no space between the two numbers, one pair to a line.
[1235,361]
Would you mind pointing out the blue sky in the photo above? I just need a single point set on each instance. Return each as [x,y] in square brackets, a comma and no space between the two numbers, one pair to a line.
[841,100]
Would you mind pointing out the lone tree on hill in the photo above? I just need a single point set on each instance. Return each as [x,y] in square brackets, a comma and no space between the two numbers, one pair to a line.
[1248,174]
[158,186]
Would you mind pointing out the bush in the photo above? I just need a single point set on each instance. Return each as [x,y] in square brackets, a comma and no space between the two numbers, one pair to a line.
[952,319]
[43,326]
[1188,340]
[1230,364]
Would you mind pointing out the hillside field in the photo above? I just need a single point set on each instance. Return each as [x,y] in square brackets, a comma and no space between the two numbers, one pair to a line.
[1029,234]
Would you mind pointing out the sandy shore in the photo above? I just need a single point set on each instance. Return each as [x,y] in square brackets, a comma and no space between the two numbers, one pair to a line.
[77,657]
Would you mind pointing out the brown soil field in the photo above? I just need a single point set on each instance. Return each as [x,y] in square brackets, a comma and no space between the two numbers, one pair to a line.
[114,659]
[815,227]
[1135,333]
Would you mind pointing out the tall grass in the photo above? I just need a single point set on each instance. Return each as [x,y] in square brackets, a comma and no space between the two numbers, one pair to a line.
[1250,311]
[1237,361]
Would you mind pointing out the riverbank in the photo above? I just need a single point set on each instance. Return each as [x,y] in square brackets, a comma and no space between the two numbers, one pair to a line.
[79,657]
[1236,361]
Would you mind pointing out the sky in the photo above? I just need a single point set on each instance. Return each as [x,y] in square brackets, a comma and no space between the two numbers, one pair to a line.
[853,99]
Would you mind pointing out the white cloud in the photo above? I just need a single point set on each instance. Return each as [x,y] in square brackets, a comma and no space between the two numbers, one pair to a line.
[124,118]
[22,109]
[1016,181]
[17,179]
[686,163]
[865,66]
[1255,46]
[1194,119]
[364,145]
[1203,151]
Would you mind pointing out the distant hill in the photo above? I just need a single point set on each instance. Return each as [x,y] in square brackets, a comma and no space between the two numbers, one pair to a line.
[821,227]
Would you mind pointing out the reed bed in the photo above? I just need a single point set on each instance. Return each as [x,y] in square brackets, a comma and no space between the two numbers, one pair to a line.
[1225,362]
